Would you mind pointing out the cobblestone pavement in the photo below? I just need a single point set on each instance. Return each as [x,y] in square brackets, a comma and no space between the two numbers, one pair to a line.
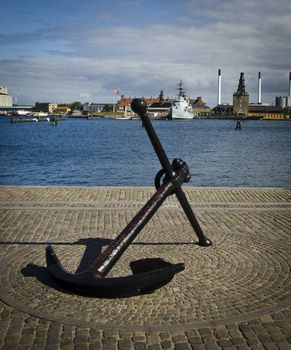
[235,294]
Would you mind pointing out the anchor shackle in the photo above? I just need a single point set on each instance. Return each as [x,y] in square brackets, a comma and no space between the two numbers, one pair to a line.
[180,174]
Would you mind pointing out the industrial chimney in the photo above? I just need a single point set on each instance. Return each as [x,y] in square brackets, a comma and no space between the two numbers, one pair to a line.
[219,87]
[290,84]
[259,89]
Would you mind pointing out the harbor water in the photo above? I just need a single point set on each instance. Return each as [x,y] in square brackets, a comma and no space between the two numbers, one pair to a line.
[107,152]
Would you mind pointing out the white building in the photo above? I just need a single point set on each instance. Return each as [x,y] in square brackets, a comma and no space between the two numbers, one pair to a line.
[283,101]
[5,99]
[93,107]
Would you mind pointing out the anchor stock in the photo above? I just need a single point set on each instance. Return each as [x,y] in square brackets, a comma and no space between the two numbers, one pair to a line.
[93,281]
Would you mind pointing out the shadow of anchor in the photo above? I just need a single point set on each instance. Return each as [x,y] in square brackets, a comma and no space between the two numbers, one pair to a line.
[95,246]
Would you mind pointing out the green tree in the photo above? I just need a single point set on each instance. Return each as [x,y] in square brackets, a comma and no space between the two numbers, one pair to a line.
[107,108]
[76,105]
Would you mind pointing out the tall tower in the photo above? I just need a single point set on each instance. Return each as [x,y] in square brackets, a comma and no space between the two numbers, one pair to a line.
[219,88]
[259,88]
[289,96]
[241,98]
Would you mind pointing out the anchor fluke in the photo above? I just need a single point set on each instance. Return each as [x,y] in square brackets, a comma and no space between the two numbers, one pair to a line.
[91,283]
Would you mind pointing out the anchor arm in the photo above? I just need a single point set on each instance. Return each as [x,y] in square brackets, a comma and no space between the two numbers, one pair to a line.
[112,253]
[202,240]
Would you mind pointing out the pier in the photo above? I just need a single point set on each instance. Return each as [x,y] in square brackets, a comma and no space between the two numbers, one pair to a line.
[235,294]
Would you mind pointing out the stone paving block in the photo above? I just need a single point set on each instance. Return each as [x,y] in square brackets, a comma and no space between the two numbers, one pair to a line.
[284,345]
[95,346]
[182,346]
[142,345]
[242,347]
[125,344]
[211,346]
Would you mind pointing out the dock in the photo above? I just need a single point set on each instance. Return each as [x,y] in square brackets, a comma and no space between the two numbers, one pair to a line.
[235,294]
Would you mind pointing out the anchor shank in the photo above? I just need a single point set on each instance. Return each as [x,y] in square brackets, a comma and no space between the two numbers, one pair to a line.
[160,152]
[139,106]
[112,253]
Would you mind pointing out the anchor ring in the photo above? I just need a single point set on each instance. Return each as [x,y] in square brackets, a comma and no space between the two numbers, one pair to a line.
[159,177]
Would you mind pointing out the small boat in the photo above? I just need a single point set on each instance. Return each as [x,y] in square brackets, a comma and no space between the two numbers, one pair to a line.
[21,112]
[23,120]
[181,107]
[122,118]
[41,114]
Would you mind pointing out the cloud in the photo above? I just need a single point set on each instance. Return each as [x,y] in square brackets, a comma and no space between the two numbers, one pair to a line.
[141,54]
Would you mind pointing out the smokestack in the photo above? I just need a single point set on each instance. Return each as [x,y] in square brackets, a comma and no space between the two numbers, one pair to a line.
[259,88]
[290,84]
[219,87]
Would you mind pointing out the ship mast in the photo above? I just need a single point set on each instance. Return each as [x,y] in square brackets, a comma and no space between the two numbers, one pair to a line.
[180,89]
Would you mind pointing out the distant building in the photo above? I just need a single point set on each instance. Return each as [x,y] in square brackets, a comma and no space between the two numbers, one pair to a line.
[283,101]
[61,110]
[199,107]
[160,108]
[5,99]
[45,107]
[157,107]
[265,111]
[223,110]
[93,107]
[241,98]
[125,101]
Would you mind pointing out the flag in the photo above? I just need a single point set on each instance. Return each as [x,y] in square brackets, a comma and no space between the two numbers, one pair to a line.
[116,91]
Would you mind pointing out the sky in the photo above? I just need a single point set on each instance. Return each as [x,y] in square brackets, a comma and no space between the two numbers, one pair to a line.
[80,50]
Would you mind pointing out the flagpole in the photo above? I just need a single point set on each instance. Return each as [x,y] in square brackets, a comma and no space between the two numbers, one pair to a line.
[116,94]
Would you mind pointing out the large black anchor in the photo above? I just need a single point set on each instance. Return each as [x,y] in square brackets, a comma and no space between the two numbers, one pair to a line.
[93,281]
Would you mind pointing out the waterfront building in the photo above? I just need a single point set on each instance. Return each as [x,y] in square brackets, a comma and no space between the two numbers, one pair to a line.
[61,110]
[284,101]
[157,107]
[125,101]
[200,109]
[241,98]
[89,108]
[45,107]
[223,110]
[161,108]
[5,99]
[281,101]
[260,111]
[265,111]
